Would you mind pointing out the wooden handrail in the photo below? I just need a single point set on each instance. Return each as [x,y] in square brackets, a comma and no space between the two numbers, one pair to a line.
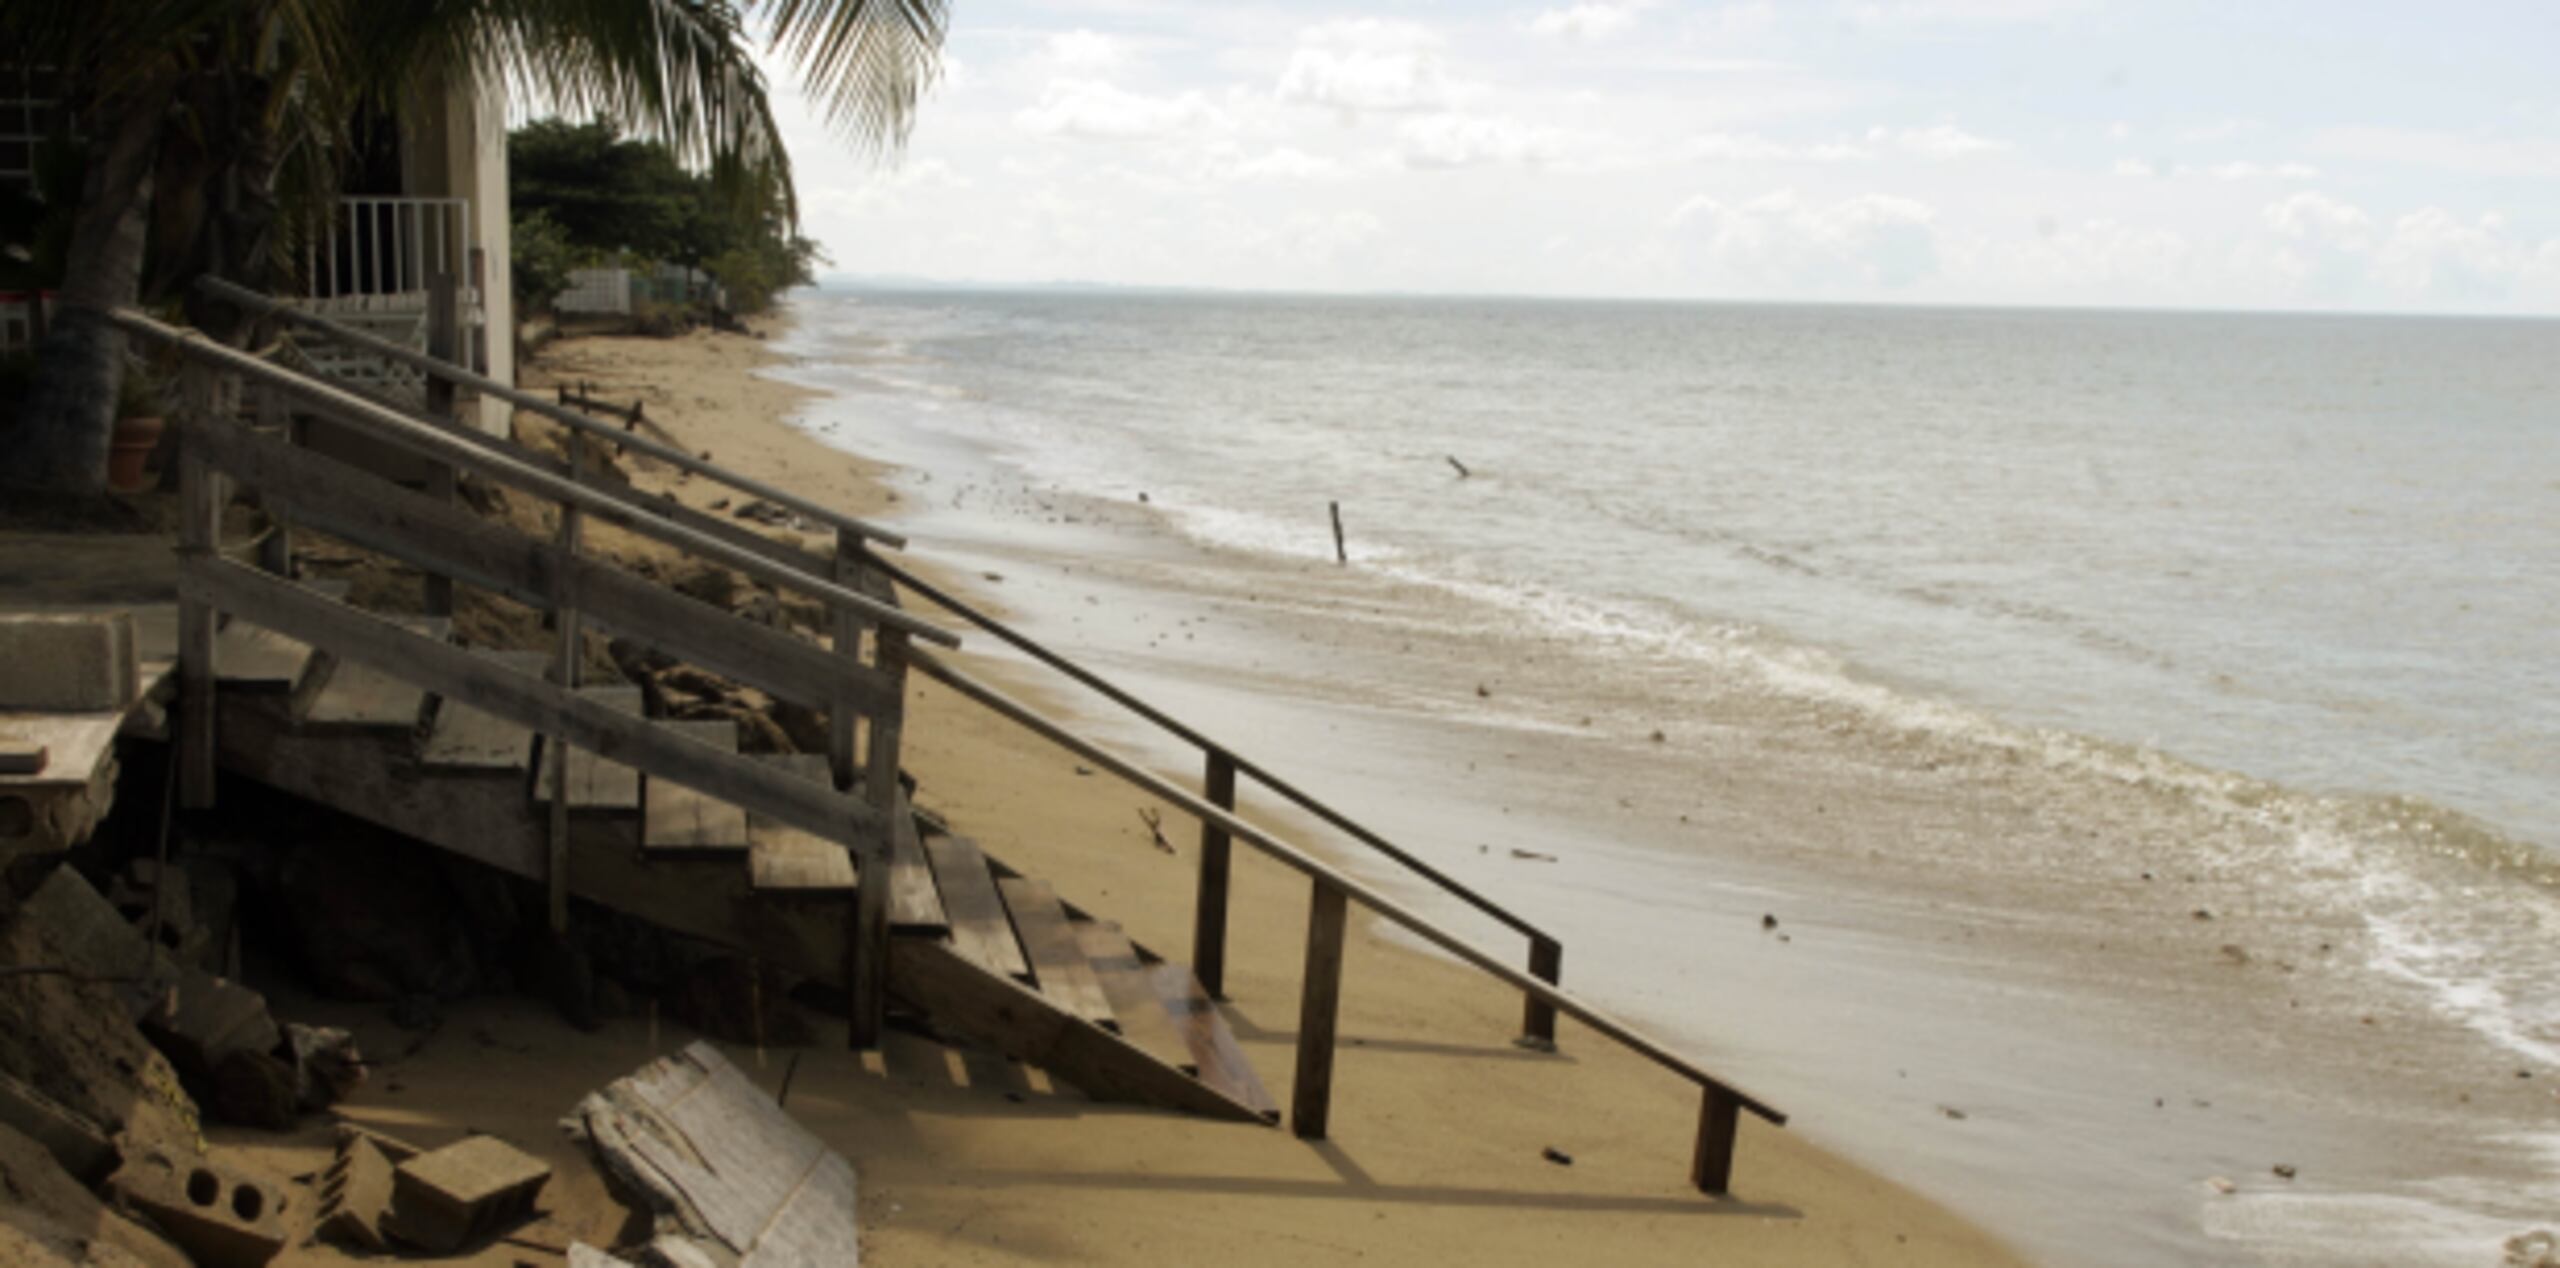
[233,293]
[1242,765]
[434,442]
[1558,997]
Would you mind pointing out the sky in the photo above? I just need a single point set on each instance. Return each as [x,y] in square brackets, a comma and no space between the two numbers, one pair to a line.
[2337,156]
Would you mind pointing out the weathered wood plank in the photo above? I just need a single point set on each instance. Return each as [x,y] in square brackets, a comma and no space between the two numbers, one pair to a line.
[595,783]
[531,703]
[74,743]
[703,1140]
[680,818]
[915,906]
[1719,1121]
[1057,958]
[783,859]
[980,931]
[467,738]
[440,538]
[253,658]
[363,696]
[1216,1057]
[1141,1016]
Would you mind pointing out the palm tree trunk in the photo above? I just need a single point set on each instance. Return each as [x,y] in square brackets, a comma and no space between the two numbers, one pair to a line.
[70,412]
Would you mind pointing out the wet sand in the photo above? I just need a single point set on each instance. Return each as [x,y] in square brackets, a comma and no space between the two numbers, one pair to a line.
[1439,1122]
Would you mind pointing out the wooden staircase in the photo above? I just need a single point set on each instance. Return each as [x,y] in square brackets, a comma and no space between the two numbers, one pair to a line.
[978,951]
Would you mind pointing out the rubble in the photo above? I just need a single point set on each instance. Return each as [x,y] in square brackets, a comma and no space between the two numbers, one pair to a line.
[356,1190]
[223,1212]
[777,1195]
[449,1198]
[54,1217]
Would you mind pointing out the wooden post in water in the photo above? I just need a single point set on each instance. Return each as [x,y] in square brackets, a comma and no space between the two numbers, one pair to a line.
[1340,556]
[1538,1018]
[564,672]
[867,976]
[1319,1006]
[1209,912]
[200,499]
[1719,1117]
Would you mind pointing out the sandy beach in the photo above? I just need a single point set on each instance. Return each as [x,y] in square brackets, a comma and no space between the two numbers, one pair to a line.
[1440,1123]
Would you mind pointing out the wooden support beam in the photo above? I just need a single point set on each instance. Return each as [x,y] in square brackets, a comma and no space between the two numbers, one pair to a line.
[1209,910]
[564,673]
[1319,1007]
[1538,1017]
[200,500]
[848,626]
[1719,1119]
[444,343]
[867,976]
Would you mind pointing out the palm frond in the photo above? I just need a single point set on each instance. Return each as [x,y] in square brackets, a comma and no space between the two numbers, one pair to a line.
[867,62]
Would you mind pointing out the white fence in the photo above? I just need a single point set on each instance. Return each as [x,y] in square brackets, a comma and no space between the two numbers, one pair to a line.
[596,291]
[619,290]
[387,246]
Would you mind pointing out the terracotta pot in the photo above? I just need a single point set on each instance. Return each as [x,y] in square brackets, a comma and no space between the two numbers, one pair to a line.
[130,451]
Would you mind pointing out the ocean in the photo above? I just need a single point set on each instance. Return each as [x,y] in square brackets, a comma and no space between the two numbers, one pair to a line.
[2150,722]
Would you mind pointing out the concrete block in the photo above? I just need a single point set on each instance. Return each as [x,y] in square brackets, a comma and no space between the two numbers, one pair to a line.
[355,1193]
[221,1212]
[448,1198]
[67,662]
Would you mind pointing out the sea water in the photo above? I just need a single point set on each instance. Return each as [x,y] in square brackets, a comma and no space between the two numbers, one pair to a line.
[2264,601]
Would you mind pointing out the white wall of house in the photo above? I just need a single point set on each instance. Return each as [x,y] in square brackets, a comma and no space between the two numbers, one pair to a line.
[457,148]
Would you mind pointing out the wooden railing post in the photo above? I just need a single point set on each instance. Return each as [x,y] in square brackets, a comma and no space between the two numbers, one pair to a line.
[1719,1116]
[200,499]
[1209,914]
[564,672]
[275,552]
[868,972]
[444,343]
[1319,1006]
[848,626]
[1538,1017]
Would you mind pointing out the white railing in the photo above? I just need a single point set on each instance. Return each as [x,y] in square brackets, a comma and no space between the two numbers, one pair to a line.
[387,246]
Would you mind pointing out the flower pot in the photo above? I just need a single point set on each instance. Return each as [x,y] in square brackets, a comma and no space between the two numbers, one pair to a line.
[130,452]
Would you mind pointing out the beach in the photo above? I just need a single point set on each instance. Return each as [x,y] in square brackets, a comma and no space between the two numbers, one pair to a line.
[1440,1124]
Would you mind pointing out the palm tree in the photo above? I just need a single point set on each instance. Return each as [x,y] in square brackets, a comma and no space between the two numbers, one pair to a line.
[259,92]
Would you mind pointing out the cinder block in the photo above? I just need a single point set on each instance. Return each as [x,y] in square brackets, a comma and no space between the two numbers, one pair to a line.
[67,662]
[448,1198]
[221,1213]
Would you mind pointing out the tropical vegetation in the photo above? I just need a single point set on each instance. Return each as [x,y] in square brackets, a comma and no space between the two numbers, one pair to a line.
[209,129]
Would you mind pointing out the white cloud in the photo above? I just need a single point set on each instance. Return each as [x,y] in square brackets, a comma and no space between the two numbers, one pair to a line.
[1589,22]
[1914,14]
[2449,151]
[1368,64]
[1082,52]
[2317,218]
[1284,163]
[1778,240]
[1092,108]
[1938,141]
[1458,140]
[1745,147]
[2135,168]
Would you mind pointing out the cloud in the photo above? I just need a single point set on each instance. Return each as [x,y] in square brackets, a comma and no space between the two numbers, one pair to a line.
[1082,52]
[1365,64]
[1458,140]
[1094,109]
[1589,22]
[1778,240]
[2464,152]
[1938,141]
[887,189]
[2231,171]
[2333,250]
[2316,218]
[1921,14]
[1285,163]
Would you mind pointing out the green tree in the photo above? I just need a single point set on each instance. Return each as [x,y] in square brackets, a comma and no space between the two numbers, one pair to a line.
[246,103]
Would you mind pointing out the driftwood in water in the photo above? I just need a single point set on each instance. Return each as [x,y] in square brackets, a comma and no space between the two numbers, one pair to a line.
[1463,473]
[1339,555]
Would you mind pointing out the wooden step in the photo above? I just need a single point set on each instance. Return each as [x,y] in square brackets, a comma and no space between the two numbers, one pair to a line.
[253,658]
[981,933]
[1216,1057]
[1133,997]
[784,859]
[915,906]
[1058,966]
[357,695]
[595,785]
[464,738]
[677,819]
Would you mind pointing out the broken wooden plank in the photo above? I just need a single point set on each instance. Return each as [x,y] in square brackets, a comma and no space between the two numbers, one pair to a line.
[980,931]
[594,782]
[1057,958]
[680,818]
[1133,998]
[915,906]
[1216,1056]
[467,738]
[725,1166]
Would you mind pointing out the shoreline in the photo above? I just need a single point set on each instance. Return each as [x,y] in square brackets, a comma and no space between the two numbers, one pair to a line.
[1465,1168]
